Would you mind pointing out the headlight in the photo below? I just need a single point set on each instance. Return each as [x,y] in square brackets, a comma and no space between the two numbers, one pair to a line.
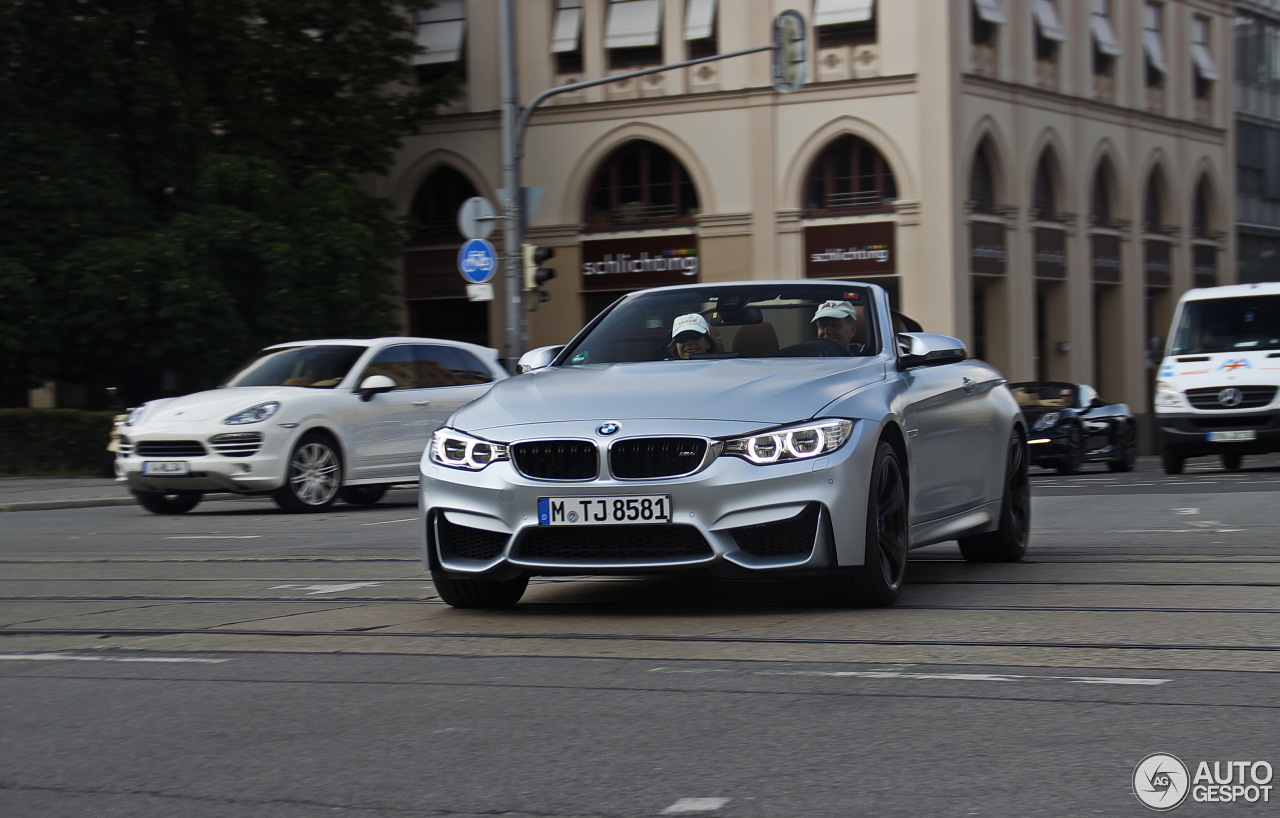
[791,442]
[1048,420]
[1167,396]
[254,414]
[135,415]
[452,448]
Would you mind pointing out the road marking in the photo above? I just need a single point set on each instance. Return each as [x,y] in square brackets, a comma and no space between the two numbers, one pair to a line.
[695,805]
[329,589]
[68,657]
[953,677]
[1186,511]
[386,522]
[213,537]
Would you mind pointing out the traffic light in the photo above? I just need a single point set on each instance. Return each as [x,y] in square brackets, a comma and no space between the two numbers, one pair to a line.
[535,275]
[789,56]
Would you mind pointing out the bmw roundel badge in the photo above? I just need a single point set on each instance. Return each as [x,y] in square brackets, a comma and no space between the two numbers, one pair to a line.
[606,429]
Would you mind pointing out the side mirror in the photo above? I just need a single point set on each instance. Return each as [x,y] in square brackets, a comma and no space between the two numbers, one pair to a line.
[538,358]
[375,385]
[929,349]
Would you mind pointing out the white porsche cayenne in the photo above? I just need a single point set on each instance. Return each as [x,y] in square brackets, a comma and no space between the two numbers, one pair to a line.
[305,422]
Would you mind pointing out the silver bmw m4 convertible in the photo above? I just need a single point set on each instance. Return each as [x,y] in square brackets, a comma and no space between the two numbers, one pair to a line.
[755,428]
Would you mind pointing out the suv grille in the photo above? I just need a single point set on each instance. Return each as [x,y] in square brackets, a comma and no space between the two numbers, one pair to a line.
[621,544]
[169,448]
[237,444]
[1251,397]
[557,459]
[656,457]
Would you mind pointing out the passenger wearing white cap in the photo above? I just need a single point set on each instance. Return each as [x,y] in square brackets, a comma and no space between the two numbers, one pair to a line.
[691,336]
[838,322]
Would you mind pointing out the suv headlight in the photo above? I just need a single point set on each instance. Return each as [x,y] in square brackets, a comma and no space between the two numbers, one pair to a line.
[790,443]
[135,415]
[254,414]
[452,448]
[1167,396]
[1047,420]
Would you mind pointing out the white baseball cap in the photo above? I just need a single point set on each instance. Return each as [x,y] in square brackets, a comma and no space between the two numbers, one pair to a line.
[693,322]
[835,309]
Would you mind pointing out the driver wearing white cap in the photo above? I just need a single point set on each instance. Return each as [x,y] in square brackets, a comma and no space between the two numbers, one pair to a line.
[691,336]
[838,322]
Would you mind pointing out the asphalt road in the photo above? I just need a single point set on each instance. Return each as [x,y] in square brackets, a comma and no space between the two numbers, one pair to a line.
[239,661]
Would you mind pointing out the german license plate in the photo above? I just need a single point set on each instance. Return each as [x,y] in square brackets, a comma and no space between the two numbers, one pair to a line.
[613,510]
[165,467]
[1223,437]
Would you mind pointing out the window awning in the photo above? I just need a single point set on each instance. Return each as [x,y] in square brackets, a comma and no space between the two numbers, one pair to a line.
[442,30]
[633,24]
[1155,50]
[839,12]
[989,10]
[1203,61]
[1104,36]
[1047,21]
[700,19]
[566,32]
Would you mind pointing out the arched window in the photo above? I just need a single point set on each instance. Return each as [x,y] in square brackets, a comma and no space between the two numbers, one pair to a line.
[1200,210]
[1100,200]
[433,218]
[1153,203]
[640,184]
[1044,198]
[982,186]
[850,174]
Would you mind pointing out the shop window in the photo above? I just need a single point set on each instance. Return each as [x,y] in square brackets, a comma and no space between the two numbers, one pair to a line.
[641,184]
[850,174]
[566,37]
[442,32]
[433,217]
[844,22]
[633,33]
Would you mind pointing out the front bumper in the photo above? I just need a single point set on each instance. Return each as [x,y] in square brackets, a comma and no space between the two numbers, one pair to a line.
[730,518]
[1188,434]
[209,466]
[1049,448]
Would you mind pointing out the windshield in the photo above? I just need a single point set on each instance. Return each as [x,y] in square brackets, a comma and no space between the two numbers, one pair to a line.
[1055,394]
[731,321]
[1236,324]
[315,367]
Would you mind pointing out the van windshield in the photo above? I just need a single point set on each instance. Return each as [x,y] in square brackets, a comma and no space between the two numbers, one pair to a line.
[1240,324]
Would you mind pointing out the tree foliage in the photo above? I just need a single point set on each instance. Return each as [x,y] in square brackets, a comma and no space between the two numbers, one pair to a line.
[180,179]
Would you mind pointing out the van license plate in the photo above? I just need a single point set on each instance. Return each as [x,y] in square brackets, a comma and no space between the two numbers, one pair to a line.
[1224,437]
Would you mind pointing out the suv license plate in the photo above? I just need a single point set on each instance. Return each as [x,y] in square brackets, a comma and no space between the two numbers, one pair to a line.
[165,467]
[1223,437]
[613,510]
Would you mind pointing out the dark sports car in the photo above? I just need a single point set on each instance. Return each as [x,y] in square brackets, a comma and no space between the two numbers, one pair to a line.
[1071,426]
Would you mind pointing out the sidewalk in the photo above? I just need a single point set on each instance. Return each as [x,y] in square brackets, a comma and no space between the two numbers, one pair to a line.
[38,493]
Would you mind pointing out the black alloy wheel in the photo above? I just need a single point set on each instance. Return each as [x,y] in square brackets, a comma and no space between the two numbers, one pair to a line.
[1008,543]
[878,581]
[168,502]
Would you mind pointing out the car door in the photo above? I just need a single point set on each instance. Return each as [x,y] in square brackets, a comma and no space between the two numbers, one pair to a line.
[956,451]
[379,428]
[446,378]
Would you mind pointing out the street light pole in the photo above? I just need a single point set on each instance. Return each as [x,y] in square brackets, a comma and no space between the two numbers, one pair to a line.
[513,204]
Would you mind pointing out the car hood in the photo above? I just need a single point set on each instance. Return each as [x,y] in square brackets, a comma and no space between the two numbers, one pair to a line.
[751,390]
[216,404]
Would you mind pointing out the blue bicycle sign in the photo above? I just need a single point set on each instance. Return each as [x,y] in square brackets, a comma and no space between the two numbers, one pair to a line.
[477,261]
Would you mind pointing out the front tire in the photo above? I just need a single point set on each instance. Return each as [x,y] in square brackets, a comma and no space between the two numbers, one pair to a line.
[479,593]
[1128,450]
[1075,452]
[173,502]
[1173,463]
[877,582]
[1008,543]
[1231,461]
[312,478]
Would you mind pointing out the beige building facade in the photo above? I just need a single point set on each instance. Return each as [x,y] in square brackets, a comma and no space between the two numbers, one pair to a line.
[1041,178]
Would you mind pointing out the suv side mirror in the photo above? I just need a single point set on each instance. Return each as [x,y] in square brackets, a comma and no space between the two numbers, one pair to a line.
[928,349]
[375,385]
[538,358]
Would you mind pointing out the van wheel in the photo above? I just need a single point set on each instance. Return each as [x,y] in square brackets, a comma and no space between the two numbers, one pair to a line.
[173,502]
[1231,461]
[1173,463]
[312,478]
